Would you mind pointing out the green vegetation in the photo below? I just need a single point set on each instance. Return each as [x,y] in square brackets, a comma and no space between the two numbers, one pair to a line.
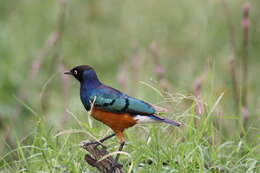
[174,53]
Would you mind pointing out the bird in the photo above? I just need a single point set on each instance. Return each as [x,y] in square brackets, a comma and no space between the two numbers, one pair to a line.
[112,107]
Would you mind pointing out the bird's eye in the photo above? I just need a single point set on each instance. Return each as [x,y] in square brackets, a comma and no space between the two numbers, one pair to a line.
[75,72]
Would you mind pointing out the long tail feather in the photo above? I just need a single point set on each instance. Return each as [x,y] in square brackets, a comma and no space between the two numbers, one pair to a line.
[165,120]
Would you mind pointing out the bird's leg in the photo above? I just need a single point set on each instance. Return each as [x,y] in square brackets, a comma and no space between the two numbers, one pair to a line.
[115,164]
[104,139]
[120,149]
[121,138]
[97,143]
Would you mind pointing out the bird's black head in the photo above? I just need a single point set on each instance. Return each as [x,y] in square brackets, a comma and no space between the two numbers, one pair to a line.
[78,71]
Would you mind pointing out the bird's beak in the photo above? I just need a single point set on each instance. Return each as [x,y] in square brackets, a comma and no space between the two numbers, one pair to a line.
[68,73]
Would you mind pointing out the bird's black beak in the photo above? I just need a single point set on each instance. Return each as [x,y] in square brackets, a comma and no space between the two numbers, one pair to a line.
[68,73]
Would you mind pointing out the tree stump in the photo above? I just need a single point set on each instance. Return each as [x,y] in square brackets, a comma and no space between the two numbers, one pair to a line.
[95,154]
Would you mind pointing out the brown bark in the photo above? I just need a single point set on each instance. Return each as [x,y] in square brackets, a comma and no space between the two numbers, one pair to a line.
[95,154]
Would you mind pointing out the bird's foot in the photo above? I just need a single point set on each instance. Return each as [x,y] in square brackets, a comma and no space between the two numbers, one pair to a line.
[99,144]
[114,166]
[95,143]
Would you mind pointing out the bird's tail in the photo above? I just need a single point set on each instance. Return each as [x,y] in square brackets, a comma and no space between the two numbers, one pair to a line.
[165,120]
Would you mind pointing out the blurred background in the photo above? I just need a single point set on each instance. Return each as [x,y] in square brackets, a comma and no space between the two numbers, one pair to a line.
[189,56]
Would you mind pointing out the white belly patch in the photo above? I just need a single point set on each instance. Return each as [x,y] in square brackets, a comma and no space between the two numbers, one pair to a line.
[144,119]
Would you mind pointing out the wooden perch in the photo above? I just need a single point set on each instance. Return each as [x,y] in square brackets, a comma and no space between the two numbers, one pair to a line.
[105,165]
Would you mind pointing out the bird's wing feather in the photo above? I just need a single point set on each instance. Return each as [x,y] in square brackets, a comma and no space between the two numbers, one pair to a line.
[111,100]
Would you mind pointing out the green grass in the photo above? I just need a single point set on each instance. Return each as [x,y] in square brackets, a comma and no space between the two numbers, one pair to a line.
[42,120]
[184,149]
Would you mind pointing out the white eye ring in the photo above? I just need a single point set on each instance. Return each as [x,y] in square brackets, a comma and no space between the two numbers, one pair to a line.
[75,72]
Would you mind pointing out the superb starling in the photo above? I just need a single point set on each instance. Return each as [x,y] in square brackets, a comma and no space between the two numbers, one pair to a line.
[112,107]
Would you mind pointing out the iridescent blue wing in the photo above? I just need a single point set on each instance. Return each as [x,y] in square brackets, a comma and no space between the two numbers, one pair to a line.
[111,100]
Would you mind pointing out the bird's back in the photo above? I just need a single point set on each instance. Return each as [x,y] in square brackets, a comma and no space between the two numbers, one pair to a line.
[111,100]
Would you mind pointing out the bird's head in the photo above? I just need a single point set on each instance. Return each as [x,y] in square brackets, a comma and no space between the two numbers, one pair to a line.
[81,72]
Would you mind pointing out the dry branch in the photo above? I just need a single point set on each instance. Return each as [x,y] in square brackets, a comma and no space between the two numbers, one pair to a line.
[105,165]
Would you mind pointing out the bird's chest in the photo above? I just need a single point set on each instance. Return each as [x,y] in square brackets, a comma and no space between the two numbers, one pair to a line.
[85,97]
[116,121]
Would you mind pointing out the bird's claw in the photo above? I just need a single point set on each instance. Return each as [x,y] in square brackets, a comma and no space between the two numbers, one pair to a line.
[96,143]
[99,144]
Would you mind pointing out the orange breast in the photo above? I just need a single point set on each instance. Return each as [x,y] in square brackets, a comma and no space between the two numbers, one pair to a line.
[117,122]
